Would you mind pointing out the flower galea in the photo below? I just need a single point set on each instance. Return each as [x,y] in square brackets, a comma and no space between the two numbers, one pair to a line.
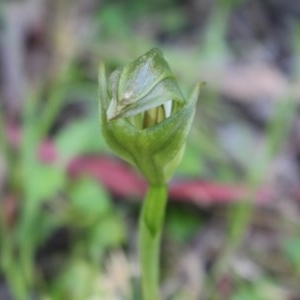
[144,117]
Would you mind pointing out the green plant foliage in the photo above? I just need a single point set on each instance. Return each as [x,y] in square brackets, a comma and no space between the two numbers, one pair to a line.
[114,22]
[260,289]
[91,209]
[191,165]
[182,224]
[45,181]
[88,199]
[77,281]
[109,233]
[291,250]
[92,212]
[77,138]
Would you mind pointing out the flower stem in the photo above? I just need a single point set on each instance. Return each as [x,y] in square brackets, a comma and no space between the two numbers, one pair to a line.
[150,228]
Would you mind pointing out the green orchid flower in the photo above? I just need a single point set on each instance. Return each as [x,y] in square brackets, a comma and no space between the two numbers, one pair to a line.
[145,118]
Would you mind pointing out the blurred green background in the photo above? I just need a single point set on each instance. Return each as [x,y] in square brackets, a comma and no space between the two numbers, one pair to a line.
[69,209]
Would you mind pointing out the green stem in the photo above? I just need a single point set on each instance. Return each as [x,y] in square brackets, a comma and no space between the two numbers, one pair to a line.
[150,228]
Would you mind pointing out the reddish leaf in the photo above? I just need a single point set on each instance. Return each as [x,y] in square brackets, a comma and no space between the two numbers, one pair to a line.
[13,135]
[123,181]
[46,152]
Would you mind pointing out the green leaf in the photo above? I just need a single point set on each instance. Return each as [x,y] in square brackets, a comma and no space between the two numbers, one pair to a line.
[291,249]
[108,233]
[45,181]
[77,282]
[77,138]
[182,224]
[89,199]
